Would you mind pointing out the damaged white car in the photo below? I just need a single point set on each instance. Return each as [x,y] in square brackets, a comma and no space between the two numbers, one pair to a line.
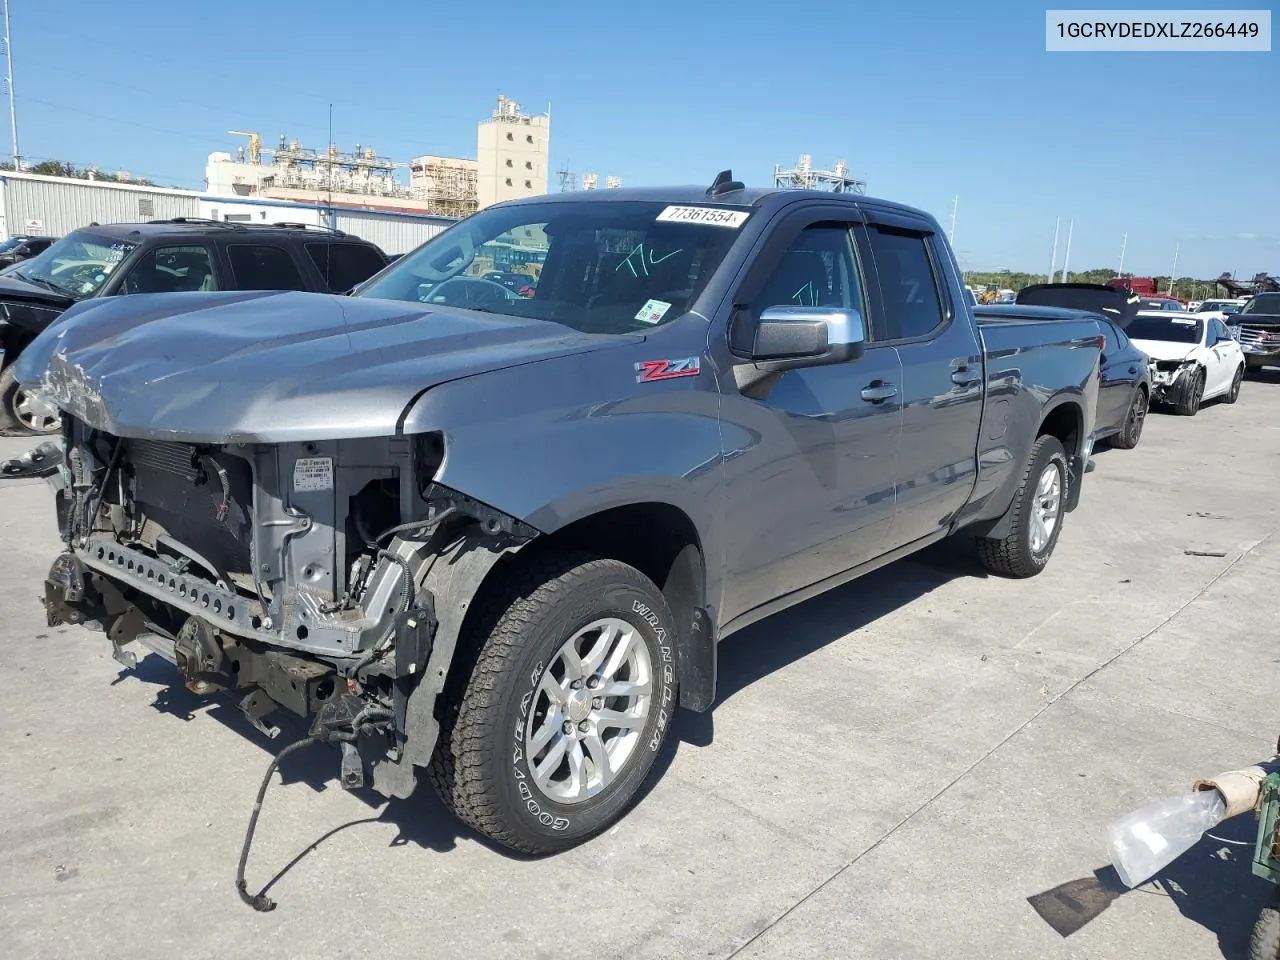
[1193,358]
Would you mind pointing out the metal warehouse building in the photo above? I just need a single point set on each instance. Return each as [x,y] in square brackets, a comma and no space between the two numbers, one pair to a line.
[54,206]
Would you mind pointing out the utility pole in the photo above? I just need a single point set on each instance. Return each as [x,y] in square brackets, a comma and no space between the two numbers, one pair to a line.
[955,204]
[13,113]
[1067,259]
[1124,245]
[1053,264]
[1174,274]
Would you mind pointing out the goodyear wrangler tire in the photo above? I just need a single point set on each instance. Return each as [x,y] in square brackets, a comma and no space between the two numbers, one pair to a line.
[1039,505]
[547,739]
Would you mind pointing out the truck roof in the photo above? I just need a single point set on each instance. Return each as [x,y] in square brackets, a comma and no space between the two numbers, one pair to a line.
[753,197]
[193,225]
[1028,311]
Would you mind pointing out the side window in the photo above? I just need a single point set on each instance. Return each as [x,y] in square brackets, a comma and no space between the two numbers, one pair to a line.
[256,267]
[171,270]
[818,269]
[912,306]
[343,265]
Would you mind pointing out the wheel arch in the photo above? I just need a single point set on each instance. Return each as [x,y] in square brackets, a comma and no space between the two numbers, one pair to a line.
[662,541]
[1062,418]
[658,538]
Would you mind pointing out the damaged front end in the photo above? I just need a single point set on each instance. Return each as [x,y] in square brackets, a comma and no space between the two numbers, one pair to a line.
[296,577]
[1170,379]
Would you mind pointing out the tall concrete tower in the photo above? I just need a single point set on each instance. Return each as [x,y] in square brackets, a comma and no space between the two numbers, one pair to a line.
[512,151]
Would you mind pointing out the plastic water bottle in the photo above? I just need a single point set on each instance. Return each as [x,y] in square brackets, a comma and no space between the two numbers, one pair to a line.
[1146,841]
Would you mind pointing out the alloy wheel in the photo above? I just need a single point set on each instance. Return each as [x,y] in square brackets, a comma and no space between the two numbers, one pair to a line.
[1046,508]
[589,711]
[1137,416]
[33,413]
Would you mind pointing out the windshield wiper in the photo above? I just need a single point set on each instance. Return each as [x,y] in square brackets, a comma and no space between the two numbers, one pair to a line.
[47,284]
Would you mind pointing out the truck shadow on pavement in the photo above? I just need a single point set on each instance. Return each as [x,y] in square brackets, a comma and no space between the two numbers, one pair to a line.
[422,820]
[1212,884]
[766,647]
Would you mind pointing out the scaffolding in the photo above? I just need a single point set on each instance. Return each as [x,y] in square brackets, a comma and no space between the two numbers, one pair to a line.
[448,185]
[804,177]
[360,172]
[293,166]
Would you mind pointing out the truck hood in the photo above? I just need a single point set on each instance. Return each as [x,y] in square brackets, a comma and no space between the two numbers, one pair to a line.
[269,367]
[16,289]
[1164,349]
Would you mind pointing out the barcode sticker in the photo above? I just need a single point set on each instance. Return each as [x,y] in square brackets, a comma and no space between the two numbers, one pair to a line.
[313,473]
[715,216]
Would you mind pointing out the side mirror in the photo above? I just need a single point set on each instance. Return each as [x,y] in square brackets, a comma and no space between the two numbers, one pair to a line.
[788,337]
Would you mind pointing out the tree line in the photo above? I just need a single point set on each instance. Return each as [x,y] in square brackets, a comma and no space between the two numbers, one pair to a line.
[1187,288]
[58,168]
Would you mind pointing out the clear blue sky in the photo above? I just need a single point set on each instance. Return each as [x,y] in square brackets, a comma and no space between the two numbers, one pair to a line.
[926,101]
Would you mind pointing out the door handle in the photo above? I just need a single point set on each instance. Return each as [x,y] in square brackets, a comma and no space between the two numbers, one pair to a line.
[877,391]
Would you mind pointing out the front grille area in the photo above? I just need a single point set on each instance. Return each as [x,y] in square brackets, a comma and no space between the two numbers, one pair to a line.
[178,490]
[1265,337]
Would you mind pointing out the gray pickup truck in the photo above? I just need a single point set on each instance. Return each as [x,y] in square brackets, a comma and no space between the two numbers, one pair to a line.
[494,537]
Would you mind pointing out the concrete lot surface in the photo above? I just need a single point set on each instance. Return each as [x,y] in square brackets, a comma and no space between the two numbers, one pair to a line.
[893,770]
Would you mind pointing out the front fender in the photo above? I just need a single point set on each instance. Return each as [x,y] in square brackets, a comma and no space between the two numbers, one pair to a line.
[536,443]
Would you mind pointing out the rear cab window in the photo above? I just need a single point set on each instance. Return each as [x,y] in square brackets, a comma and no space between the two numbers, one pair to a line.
[343,265]
[257,266]
[912,303]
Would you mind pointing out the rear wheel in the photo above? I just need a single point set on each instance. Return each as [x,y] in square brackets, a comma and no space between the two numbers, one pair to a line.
[550,737]
[1234,393]
[1134,420]
[1038,508]
[1188,402]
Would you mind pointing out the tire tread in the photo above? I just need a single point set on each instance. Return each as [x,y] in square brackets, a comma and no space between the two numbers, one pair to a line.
[459,770]
[1010,556]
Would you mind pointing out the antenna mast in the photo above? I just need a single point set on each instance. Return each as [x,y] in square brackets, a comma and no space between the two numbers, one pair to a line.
[13,113]
[333,221]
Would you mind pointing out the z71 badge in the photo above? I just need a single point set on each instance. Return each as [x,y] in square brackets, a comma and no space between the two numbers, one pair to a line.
[649,370]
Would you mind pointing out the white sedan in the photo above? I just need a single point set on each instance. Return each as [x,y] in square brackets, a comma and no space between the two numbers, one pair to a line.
[1222,309]
[1193,358]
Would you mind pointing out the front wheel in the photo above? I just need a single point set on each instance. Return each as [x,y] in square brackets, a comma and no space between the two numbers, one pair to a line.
[23,413]
[548,740]
[1134,420]
[1188,403]
[1234,393]
[1038,508]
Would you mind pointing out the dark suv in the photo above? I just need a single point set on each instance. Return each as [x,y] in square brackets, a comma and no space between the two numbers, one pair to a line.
[163,256]
[16,249]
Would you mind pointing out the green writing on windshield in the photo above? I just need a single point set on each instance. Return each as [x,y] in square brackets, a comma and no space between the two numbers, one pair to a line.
[640,259]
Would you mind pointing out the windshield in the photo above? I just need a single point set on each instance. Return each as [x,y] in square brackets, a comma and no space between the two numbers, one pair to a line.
[77,265]
[1172,329]
[597,266]
[1263,303]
